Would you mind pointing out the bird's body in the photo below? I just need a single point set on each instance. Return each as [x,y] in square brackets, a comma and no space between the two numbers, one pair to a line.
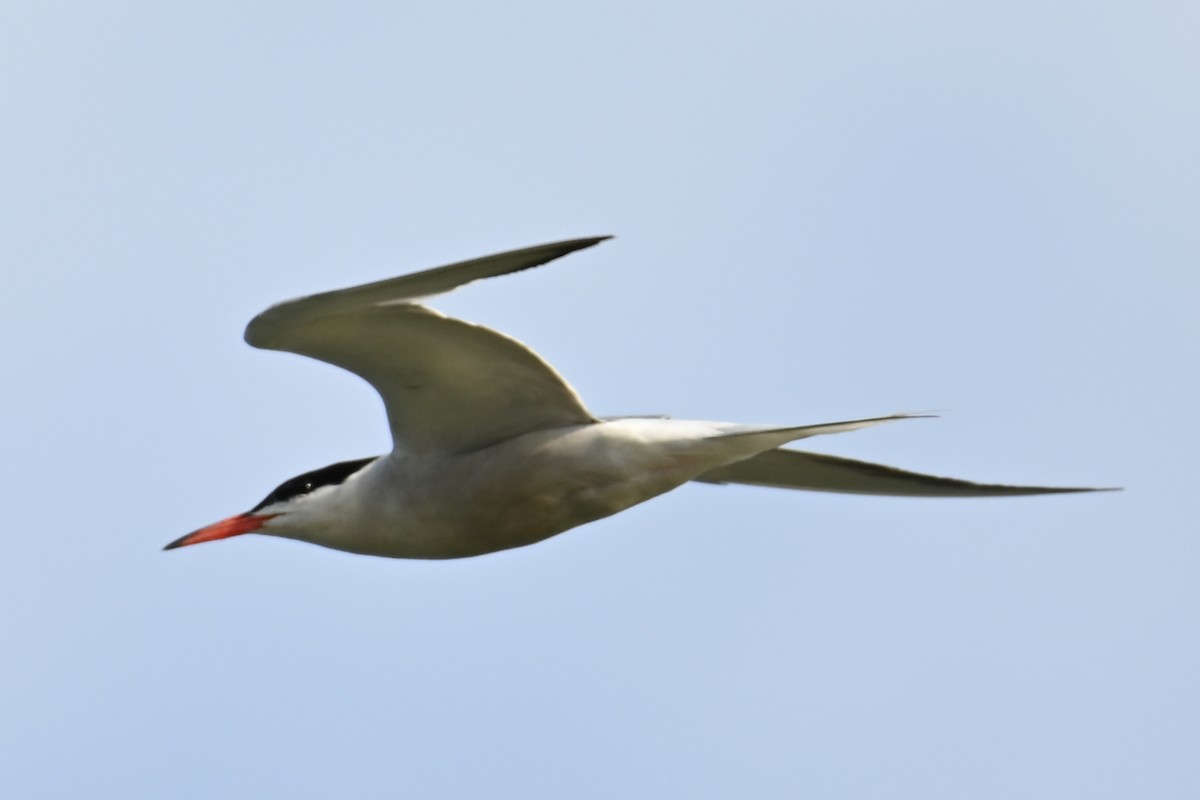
[411,505]
[492,449]
[414,505]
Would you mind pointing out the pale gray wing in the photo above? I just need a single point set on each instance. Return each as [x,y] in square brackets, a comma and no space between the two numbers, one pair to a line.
[407,288]
[795,469]
[448,385]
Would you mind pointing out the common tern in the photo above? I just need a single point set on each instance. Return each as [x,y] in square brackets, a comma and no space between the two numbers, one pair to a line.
[492,449]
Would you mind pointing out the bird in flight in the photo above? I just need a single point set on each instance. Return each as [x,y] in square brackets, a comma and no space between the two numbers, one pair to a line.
[492,449]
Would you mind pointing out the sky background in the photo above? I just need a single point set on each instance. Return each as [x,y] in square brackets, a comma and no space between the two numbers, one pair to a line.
[823,210]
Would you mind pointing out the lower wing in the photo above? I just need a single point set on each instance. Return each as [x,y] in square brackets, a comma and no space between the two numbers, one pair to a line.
[793,469]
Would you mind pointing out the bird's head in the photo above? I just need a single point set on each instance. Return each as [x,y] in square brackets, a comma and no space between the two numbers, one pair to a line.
[284,510]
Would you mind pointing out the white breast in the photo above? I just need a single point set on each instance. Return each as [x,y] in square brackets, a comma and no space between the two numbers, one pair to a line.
[514,493]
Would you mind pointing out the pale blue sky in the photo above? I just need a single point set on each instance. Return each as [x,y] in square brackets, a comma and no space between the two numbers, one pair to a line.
[823,210]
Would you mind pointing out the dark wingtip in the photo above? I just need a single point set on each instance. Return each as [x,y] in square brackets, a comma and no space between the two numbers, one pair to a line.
[1031,490]
[571,245]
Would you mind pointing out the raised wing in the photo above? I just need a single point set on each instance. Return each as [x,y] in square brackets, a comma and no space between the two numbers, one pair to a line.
[406,288]
[448,385]
[795,469]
